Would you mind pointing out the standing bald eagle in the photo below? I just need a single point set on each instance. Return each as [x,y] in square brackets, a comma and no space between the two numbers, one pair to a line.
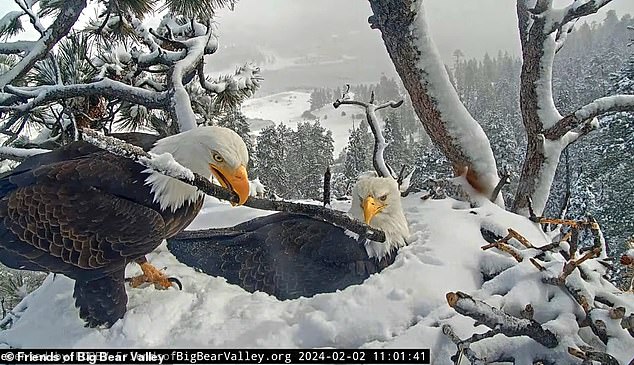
[293,255]
[86,213]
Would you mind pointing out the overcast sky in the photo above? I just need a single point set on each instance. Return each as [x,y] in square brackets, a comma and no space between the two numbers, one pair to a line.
[474,26]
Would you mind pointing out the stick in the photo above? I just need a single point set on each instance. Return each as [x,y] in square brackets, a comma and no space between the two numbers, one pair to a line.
[498,320]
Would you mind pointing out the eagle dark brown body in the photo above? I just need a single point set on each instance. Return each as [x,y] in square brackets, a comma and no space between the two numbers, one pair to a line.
[85,213]
[286,255]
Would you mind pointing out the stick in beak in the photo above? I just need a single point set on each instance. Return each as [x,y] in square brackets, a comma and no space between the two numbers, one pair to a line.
[236,181]
[370,208]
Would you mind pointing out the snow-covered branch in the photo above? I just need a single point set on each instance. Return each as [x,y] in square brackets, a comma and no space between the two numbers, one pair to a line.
[496,319]
[577,9]
[166,165]
[61,26]
[380,144]
[19,154]
[40,95]
[16,47]
[608,104]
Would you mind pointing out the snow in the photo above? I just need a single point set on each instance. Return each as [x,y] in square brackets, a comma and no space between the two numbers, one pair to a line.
[21,152]
[601,105]
[404,305]
[288,107]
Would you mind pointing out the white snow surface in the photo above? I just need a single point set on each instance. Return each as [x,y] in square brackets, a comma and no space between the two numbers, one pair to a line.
[288,107]
[403,306]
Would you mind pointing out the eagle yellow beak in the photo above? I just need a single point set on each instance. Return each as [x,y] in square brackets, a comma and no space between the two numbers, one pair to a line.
[370,208]
[236,181]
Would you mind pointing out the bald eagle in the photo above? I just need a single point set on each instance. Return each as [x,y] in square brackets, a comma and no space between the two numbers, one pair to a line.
[86,213]
[293,255]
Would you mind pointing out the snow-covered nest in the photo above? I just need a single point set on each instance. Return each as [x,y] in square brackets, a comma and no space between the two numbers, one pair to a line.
[403,306]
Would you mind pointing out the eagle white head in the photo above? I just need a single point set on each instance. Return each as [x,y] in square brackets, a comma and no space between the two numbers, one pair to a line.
[207,151]
[377,202]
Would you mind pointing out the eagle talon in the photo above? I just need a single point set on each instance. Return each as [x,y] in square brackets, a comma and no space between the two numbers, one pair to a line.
[176,281]
[151,275]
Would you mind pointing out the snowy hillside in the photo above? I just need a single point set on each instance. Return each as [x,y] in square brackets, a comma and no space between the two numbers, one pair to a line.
[288,107]
[403,306]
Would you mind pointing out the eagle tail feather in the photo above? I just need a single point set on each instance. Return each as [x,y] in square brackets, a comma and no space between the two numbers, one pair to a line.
[101,302]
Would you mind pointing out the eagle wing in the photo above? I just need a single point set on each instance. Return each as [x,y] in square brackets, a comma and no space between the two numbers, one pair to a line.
[78,216]
[286,255]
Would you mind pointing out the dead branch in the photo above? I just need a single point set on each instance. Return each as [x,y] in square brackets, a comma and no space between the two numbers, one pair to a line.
[121,148]
[505,179]
[503,246]
[496,319]
[590,355]
[379,141]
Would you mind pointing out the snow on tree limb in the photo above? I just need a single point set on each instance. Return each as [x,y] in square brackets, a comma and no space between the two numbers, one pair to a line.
[19,154]
[61,26]
[446,120]
[16,47]
[608,104]
[380,144]
[496,319]
[40,95]
[166,165]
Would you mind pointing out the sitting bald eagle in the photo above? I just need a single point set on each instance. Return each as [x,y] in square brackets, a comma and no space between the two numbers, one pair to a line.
[293,255]
[86,213]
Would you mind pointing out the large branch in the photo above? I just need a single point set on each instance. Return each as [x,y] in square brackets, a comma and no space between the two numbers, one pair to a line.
[40,95]
[67,17]
[380,144]
[446,120]
[577,9]
[166,165]
[599,107]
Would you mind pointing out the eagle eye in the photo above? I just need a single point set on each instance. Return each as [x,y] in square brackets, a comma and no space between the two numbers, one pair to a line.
[216,156]
[383,198]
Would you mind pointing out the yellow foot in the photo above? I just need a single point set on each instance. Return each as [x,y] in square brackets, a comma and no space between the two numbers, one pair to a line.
[151,275]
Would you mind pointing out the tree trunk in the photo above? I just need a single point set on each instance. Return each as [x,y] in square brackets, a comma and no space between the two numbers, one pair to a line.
[449,125]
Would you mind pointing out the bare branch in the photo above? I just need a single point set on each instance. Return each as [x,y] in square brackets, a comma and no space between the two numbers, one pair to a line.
[380,144]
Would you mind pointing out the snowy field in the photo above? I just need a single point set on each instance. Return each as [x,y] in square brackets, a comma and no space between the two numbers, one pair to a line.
[287,108]
[403,306]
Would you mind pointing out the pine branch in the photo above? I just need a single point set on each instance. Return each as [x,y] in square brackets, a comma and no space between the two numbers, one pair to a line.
[41,95]
[498,320]
[40,49]
[158,163]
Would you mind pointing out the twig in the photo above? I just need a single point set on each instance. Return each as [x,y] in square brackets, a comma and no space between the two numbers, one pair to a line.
[505,179]
[601,357]
[463,347]
[120,148]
